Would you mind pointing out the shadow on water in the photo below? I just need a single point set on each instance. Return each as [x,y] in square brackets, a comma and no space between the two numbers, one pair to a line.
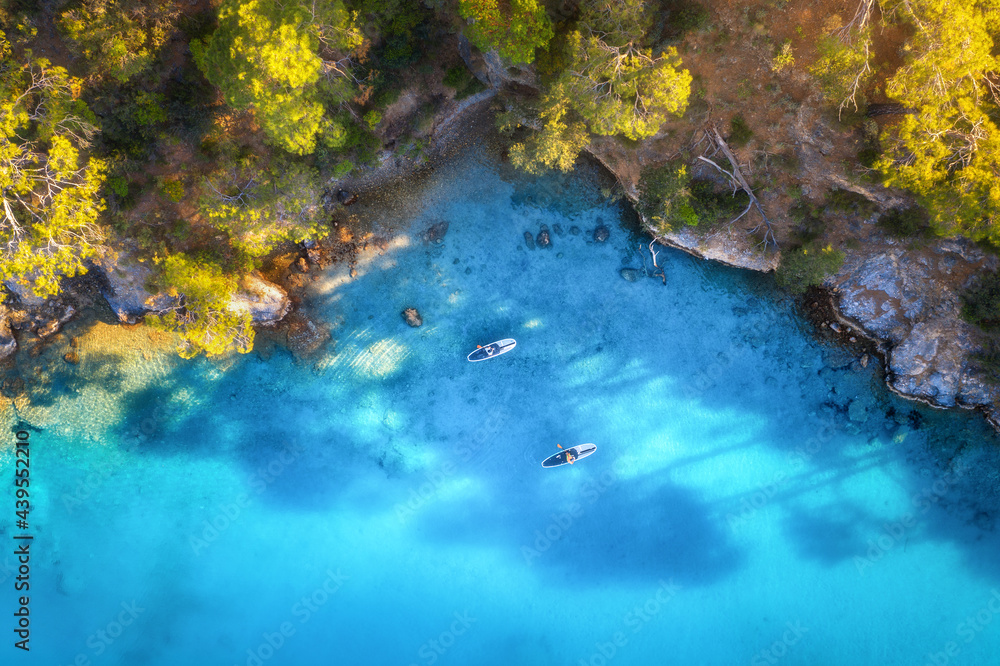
[642,526]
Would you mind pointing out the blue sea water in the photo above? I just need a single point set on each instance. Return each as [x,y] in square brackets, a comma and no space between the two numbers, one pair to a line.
[757,497]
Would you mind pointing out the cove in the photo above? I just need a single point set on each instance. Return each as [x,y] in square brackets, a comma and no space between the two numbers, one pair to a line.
[757,495]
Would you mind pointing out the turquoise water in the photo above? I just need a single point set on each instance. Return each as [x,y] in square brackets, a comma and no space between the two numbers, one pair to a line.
[384,503]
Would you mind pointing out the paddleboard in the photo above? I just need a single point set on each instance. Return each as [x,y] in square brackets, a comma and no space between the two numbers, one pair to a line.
[579,451]
[492,350]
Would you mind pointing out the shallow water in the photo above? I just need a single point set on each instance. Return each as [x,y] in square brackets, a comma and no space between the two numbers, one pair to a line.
[384,504]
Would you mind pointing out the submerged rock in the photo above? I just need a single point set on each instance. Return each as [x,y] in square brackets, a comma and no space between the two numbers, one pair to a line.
[53,325]
[436,232]
[544,240]
[601,233]
[575,230]
[529,240]
[558,230]
[630,274]
[412,317]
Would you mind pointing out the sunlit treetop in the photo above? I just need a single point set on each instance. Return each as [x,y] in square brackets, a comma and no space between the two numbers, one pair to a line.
[515,28]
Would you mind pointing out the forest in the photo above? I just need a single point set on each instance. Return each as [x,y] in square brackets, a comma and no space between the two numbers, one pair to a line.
[207,135]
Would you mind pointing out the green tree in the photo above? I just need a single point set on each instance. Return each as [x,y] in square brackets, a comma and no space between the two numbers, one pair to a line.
[948,150]
[515,28]
[283,59]
[204,319]
[260,207]
[844,64]
[48,186]
[119,37]
[558,143]
[665,197]
[613,81]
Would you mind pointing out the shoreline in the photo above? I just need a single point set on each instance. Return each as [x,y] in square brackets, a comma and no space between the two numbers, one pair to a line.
[455,131]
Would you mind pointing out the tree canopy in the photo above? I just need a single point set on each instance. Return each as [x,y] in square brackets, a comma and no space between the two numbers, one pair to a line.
[613,81]
[49,187]
[265,54]
[515,29]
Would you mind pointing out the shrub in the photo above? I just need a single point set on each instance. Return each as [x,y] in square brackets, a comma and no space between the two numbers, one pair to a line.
[665,197]
[739,132]
[373,118]
[783,59]
[173,190]
[711,204]
[906,222]
[807,267]
[981,303]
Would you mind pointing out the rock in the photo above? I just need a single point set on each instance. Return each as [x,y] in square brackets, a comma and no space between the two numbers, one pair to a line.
[346,198]
[302,264]
[128,285]
[53,326]
[864,360]
[353,272]
[72,357]
[436,232]
[575,230]
[630,274]
[8,345]
[835,327]
[313,255]
[266,302]
[304,337]
[857,411]
[544,240]
[557,228]
[601,233]
[412,317]
[529,240]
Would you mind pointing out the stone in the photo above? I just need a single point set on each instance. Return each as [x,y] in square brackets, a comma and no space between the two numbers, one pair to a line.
[266,302]
[529,240]
[601,233]
[557,228]
[346,198]
[835,327]
[629,274]
[72,357]
[543,239]
[53,325]
[8,345]
[436,232]
[864,360]
[575,230]
[412,317]
[302,264]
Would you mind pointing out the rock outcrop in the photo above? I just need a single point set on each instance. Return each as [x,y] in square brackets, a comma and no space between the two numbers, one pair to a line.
[904,298]
[266,302]
[127,286]
[8,345]
[413,317]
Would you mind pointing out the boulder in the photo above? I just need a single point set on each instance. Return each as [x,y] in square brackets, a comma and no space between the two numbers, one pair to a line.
[601,233]
[543,239]
[529,240]
[346,198]
[266,302]
[436,232]
[53,325]
[8,345]
[630,274]
[413,317]
[127,285]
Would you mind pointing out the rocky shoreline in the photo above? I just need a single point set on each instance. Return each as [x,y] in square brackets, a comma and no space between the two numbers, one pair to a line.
[903,298]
